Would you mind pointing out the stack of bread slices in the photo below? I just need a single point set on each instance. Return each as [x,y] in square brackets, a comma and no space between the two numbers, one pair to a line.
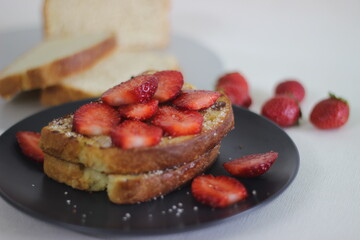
[89,47]
[136,156]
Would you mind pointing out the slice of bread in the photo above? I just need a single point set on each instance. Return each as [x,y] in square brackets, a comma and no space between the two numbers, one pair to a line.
[138,24]
[53,60]
[116,68]
[132,188]
[98,153]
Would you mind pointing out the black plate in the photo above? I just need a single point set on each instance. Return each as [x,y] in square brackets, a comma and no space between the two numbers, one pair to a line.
[23,184]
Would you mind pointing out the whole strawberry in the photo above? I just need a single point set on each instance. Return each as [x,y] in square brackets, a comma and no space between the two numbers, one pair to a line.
[292,88]
[283,110]
[236,88]
[332,112]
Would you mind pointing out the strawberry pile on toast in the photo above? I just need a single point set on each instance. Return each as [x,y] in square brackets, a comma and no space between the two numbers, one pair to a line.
[143,138]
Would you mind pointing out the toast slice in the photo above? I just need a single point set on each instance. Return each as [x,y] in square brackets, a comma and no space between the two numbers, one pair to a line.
[53,60]
[98,153]
[128,188]
[116,68]
[138,24]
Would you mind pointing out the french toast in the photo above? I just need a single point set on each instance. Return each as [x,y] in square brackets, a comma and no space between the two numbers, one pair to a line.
[128,188]
[58,140]
[143,138]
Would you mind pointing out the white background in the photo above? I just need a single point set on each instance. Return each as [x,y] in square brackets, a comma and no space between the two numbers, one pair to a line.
[315,41]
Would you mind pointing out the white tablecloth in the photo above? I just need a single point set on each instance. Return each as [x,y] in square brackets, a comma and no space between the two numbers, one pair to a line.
[317,42]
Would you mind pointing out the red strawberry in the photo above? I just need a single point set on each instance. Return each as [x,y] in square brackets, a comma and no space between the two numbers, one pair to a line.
[136,90]
[95,119]
[133,134]
[29,145]
[332,112]
[139,111]
[292,88]
[178,122]
[169,85]
[251,165]
[236,88]
[234,78]
[196,99]
[282,109]
[218,191]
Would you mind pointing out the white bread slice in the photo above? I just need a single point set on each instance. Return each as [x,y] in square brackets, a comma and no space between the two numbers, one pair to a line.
[54,59]
[138,24]
[116,68]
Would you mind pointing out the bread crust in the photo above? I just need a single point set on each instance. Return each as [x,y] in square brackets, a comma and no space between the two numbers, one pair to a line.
[75,148]
[125,189]
[53,72]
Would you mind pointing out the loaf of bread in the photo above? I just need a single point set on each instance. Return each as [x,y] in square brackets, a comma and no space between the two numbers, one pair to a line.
[116,68]
[138,24]
[53,60]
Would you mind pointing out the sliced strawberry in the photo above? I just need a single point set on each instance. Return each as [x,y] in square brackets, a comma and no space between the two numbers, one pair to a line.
[236,88]
[218,191]
[136,90]
[133,134]
[169,85]
[178,122]
[139,111]
[95,118]
[29,145]
[251,165]
[196,99]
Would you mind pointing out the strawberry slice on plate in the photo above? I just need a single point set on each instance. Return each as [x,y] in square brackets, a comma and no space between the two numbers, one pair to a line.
[136,90]
[169,85]
[178,122]
[196,99]
[133,134]
[29,145]
[251,165]
[218,191]
[95,118]
[139,111]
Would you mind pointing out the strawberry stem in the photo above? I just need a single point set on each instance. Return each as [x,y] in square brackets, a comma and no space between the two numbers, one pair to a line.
[332,95]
